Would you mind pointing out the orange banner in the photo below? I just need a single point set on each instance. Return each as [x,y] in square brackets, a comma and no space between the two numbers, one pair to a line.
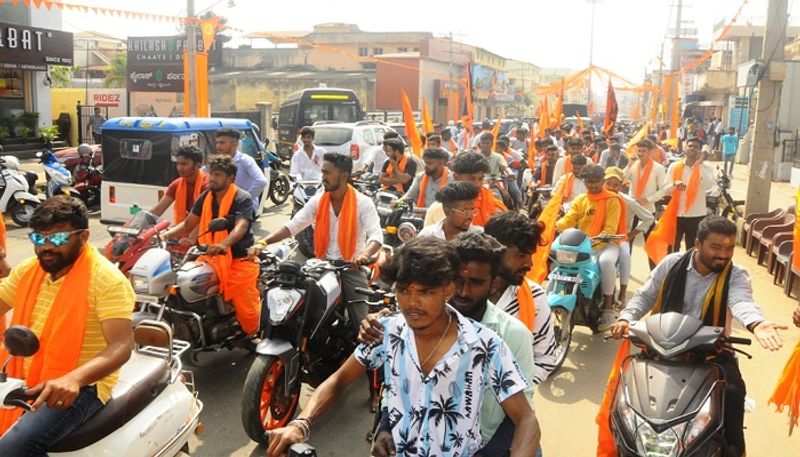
[200,75]
[796,245]
[208,27]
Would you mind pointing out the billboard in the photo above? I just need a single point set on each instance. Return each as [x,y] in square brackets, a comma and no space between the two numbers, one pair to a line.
[488,83]
[155,64]
[32,48]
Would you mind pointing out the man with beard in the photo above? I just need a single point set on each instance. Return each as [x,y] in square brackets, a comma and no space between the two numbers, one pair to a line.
[428,349]
[227,249]
[695,283]
[543,175]
[425,186]
[250,176]
[564,165]
[518,296]
[185,189]
[458,200]
[481,258]
[399,169]
[80,306]
[346,227]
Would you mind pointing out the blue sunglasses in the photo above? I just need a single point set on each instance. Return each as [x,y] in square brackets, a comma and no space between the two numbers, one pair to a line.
[56,239]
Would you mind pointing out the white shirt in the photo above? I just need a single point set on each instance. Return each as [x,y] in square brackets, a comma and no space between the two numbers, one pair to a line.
[634,209]
[309,168]
[437,231]
[698,208]
[720,128]
[368,224]
[578,187]
[558,171]
[654,190]
[376,157]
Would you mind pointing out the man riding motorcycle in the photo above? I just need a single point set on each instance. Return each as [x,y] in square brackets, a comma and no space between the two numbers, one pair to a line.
[399,169]
[80,306]
[458,200]
[227,249]
[704,283]
[425,185]
[185,189]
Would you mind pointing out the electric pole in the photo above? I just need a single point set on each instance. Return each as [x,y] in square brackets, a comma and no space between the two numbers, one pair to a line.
[769,93]
[191,38]
[675,83]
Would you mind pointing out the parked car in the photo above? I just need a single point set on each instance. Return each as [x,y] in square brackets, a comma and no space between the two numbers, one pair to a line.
[354,139]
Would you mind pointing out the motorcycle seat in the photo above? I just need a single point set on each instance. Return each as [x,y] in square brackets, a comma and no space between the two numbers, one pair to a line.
[141,380]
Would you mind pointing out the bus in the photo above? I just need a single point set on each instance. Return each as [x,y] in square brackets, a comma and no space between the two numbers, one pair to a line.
[310,106]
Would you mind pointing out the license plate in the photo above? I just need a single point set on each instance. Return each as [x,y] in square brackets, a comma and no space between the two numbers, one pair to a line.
[575,279]
[146,299]
[124,230]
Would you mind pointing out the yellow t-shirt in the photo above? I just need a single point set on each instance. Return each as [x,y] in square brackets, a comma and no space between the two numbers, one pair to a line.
[581,215]
[110,297]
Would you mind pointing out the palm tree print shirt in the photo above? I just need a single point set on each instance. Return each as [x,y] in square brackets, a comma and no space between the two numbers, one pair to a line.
[439,414]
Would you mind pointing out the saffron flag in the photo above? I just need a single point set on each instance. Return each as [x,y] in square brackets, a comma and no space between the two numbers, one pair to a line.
[496,131]
[663,235]
[676,110]
[208,27]
[787,392]
[640,135]
[548,217]
[543,119]
[200,76]
[580,122]
[612,109]
[468,119]
[605,439]
[411,126]
[532,150]
[427,122]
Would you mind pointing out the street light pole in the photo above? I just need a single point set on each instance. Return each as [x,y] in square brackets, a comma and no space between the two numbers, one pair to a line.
[591,56]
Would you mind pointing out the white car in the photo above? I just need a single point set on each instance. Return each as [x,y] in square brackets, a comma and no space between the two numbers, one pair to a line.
[358,140]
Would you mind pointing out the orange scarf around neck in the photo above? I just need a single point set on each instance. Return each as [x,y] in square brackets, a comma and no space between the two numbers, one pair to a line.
[599,219]
[348,222]
[423,185]
[642,176]
[486,205]
[527,308]
[390,170]
[220,262]
[692,186]
[568,164]
[61,341]
[568,183]
[179,206]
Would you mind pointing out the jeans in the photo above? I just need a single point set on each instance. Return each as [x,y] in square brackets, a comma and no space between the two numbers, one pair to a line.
[513,190]
[735,392]
[727,166]
[36,431]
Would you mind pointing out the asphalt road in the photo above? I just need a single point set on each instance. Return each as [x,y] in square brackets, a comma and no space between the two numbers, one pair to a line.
[566,404]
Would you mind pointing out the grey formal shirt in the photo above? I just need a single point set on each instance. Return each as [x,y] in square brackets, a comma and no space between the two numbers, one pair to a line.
[430,190]
[740,294]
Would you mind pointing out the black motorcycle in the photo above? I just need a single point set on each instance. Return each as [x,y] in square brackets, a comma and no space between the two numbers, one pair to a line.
[670,398]
[537,199]
[279,187]
[720,202]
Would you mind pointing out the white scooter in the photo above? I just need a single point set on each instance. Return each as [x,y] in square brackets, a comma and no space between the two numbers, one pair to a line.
[16,192]
[153,408]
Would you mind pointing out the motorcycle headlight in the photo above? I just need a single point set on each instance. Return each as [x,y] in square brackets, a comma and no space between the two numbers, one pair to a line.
[664,444]
[566,256]
[140,284]
[406,232]
[281,303]
[699,423]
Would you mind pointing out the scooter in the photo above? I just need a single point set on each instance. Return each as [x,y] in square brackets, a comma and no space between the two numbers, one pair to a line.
[153,408]
[88,178]
[573,287]
[303,191]
[17,192]
[670,399]
[130,241]
[307,334]
[186,295]
[59,179]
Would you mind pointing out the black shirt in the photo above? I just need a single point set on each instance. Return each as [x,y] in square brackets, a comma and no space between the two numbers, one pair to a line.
[241,208]
[411,169]
[548,174]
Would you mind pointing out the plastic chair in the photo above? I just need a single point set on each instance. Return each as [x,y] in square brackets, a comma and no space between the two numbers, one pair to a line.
[768,236]
[758,228]
[783,257]
[750,218]
[773,252]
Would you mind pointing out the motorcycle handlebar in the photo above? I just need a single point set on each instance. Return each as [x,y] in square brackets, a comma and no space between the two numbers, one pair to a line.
[737,340]
[19,399]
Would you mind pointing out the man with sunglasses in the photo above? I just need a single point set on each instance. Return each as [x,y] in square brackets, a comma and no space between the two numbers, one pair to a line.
[80,306]
[458,201]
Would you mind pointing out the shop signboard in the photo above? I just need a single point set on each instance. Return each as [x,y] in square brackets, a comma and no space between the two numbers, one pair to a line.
[155,63]
[32,48]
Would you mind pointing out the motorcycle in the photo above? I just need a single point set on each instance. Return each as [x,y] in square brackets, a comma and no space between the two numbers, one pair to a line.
[670,398]
[279,186]
[720,202]
[573,287]
[59,179]
[367,184]
[17,191]
[500,189]
[302,193]
[153,407]
[88,178]
[307,334]
[403,224]
[537,200]
[130,241]
[186,295]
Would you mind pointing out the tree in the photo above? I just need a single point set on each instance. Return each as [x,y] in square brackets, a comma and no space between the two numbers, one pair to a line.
[116,72]
[61,75]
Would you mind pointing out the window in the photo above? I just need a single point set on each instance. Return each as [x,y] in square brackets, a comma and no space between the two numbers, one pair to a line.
[369,137]
[402,49]
[136,149]
[11,84]
[332,136]
[376,51]
[363,52]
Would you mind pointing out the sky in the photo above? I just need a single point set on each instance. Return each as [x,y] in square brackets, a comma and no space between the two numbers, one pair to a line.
[551,34]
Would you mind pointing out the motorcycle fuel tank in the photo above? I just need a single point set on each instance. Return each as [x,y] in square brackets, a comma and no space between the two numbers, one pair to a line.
[152,273]
[196,281]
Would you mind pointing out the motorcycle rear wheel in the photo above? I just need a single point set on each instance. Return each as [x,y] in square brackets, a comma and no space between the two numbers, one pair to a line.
[264,407]
[734,212]
[280,190]
[563,324]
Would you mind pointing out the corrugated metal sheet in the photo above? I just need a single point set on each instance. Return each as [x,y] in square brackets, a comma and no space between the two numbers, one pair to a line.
[391,78]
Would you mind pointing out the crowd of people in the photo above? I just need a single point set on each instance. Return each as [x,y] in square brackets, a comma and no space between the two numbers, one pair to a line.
[474,334]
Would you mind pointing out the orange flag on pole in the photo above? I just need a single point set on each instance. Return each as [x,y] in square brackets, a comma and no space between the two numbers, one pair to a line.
[640,135]
[787,392]
[676,109]
[606,447]
[411,126]
[580,122]
[663,235]
[468,119]
[427,122]
[548,217]
[544,117]
[496,131]
[612,109]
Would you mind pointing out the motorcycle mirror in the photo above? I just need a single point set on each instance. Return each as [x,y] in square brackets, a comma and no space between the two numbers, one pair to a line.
[218,225]
[21,341]
[39,154]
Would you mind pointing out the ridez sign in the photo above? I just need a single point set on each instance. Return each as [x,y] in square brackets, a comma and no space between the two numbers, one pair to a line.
[31,48]
[155,63]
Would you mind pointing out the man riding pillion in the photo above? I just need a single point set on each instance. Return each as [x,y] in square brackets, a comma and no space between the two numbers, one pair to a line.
[184,190]
[346,227]
[573,181]
[227,249]
[599,212]
[80,306]
[307,161]
[425,185]
[705,284]
[458,200]
[481,259]
[399,169]
[249,176]
[427,351]
[470,167]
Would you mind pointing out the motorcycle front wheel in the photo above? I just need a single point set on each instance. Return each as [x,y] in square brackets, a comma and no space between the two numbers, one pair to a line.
[264,405]
[280,190]
[562,327]
[21,212]
[734,212]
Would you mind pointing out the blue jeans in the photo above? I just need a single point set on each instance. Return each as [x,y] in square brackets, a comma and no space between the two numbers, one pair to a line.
[728,164]
[35,432]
